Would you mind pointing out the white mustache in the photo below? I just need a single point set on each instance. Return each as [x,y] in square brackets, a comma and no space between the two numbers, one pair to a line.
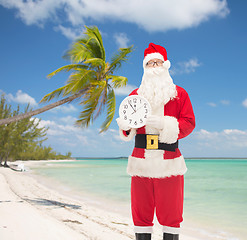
[154,71]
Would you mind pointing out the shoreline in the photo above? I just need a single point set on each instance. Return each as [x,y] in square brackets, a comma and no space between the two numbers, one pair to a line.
[25,201]
[87,217]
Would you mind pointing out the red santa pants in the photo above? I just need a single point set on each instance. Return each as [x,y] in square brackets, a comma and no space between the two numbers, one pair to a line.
[165,195]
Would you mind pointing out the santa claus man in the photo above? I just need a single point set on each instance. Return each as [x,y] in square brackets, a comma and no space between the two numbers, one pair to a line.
[157,183]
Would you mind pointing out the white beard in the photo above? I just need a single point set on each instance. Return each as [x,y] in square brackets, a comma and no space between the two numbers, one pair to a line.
[157,86]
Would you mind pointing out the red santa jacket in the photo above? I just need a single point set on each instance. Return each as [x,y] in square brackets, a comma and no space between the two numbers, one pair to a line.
[179,122]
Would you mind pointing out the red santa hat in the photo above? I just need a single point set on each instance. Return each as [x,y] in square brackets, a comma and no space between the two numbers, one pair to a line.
[156,51]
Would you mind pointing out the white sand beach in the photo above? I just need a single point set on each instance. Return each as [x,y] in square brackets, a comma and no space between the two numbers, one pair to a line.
[29,210]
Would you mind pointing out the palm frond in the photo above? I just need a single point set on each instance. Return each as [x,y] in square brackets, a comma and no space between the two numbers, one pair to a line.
[90,45]
[80,80]
[111,107]
[68,68]
[78,53]
[95,39]
[92,97]
[95,62]
[54,94]
[102,103]
[118,81]
[119,58]
[76,82]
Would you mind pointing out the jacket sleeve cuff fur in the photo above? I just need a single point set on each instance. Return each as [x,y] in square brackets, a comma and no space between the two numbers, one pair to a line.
[127,135]
[170,131]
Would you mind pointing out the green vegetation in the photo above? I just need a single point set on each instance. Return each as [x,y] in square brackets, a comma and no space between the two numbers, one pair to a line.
[39,152]
[92,80]
[23,140]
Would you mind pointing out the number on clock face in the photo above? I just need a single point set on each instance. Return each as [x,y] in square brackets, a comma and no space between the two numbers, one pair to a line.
[134,109]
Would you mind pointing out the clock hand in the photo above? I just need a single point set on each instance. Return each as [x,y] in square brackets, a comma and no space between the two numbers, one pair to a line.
[132,107]
[137,109]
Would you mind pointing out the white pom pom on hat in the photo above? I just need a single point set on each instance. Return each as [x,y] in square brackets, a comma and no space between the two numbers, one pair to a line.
[156,51]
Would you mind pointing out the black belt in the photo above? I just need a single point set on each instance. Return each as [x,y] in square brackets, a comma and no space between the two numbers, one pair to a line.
[151,141]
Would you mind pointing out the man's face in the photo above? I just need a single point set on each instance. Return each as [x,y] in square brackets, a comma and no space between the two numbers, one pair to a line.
[153,63]
[157,85]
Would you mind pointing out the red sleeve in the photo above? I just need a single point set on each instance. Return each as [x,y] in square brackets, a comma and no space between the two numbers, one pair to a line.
[186,117]
[126,133]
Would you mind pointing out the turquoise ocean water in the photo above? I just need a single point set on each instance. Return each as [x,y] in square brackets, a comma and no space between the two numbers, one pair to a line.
[215,189]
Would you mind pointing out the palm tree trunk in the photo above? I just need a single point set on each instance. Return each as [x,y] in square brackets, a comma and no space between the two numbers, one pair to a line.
[5,162]
[41,110]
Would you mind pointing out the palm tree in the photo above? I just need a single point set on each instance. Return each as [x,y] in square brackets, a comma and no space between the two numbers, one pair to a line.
[92,80]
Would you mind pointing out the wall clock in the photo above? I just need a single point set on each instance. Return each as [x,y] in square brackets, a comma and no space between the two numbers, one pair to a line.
[134,110]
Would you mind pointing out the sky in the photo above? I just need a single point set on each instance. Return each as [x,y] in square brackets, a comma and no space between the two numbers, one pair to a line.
[205,42]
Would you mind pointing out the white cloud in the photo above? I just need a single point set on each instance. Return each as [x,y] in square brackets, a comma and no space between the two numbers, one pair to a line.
[234,132]
[212,104]
[191,65]
[83,139]
[185,67]
[21,98]
[83,142]
[45,123]
[88,142]
[122,40]
[228,138]
[244,103]
[161,15]
[64,109]
[225,102]
[56,129]
[70,33]
[68,119]
[125,90]
[225,143]
[64,137]
[34,12]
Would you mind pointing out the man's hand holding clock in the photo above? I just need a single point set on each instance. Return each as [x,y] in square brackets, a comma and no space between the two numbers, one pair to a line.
[155,122]
[123,125]
[135,112]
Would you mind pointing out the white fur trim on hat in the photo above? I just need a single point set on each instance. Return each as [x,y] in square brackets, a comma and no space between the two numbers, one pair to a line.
[169,134]
[155,166]
[128,137]
[167,64]
[151,56]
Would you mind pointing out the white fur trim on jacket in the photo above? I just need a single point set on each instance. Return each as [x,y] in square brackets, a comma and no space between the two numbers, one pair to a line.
[128,137]
[156,167]
[171,230]
[169,134]
[140,229]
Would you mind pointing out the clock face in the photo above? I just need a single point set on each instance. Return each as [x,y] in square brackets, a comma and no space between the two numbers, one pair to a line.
[134,110]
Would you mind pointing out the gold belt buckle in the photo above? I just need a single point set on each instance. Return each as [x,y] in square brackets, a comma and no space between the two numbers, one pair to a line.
[152,142]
